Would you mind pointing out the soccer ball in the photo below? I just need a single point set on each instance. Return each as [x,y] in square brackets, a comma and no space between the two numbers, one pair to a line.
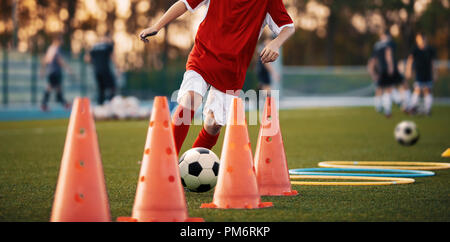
[199,168]
[406,133]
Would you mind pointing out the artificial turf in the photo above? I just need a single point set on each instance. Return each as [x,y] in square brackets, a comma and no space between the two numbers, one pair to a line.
[31,151]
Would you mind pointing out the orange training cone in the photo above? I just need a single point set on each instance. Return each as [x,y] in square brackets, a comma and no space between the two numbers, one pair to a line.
[270,159]
[81,192]
[446,153]
[236,185]
[160,195]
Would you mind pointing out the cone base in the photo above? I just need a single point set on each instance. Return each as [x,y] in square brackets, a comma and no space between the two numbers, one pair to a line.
[278,193]
[215,206]
[276,190]
[282,194]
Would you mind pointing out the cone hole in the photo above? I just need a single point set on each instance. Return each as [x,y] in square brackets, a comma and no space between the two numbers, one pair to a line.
[79,197]
[268,160]
[269,139]
[269,117]
[82,131]
[169,151]
[171,178]
[229,169]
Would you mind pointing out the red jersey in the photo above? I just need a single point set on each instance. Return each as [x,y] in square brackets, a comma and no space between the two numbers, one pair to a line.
[227,37]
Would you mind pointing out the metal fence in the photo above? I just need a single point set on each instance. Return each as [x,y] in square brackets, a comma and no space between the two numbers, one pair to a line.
[22,84]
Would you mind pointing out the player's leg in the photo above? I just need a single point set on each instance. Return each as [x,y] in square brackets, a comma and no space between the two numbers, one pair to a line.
[387,101]
[183,115]
[208,136]
[60,97]
[44,104]
[100,88]
[377,99]
[57,87]
[215,112]
[414,103]
[396,95]
[53,80]
[110,86]
[405,95]
[190,98]
[428,99]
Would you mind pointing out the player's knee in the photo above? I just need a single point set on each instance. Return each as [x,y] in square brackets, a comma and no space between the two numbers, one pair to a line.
[191,100]
[211,125]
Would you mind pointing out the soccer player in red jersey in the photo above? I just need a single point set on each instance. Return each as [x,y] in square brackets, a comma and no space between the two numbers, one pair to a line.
[225,42]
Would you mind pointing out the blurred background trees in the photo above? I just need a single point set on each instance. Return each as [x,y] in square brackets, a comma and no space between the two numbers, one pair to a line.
[330,32]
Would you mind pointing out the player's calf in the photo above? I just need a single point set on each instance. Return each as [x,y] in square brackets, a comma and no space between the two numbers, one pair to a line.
[183,115]
[207,138]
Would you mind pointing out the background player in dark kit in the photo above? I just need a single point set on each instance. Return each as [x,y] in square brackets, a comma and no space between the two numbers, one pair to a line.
[383,69]
[421,61]
[52,66]
[101,57]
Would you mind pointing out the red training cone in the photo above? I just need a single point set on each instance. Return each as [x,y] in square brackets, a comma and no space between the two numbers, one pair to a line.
[81,191]
[270,159]
[160,196]
[236,185]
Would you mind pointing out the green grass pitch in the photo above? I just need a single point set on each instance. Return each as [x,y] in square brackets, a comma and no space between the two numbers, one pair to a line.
[30,156]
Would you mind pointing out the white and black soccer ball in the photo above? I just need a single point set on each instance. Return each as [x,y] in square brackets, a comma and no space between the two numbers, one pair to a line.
[406,133]
[199,168]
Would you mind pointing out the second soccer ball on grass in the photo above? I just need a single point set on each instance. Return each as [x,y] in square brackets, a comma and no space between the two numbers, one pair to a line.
[406,133]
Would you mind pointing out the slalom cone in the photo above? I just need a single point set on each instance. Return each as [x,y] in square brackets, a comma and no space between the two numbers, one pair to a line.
[446,153]
[236,185]
[81,192]
[160,195]
[271,167]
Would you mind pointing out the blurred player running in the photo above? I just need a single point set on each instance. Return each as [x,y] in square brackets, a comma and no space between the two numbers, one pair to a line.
[383,69]
[53,65]
[421,61]
[224,46]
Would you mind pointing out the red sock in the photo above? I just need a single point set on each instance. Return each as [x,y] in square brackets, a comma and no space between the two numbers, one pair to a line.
[205,140]
[180,125]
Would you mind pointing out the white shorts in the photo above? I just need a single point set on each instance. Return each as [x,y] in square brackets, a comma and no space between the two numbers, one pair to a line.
[217,101]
